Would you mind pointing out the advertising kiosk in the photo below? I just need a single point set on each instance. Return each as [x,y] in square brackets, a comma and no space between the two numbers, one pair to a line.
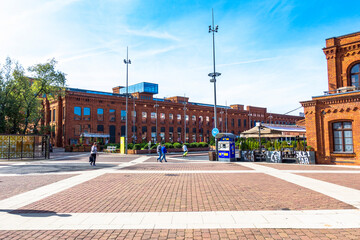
[226,147]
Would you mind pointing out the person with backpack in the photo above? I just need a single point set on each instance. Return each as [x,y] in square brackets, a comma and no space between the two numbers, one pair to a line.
[163,152]
[93,154]
[158,150]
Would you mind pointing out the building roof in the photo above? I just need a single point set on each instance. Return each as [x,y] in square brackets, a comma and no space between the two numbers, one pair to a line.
[274,131]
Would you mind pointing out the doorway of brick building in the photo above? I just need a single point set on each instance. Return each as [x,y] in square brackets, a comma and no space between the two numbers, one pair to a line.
[112,132]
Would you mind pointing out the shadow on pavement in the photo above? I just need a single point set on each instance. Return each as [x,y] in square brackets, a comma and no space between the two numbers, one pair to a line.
[34,213]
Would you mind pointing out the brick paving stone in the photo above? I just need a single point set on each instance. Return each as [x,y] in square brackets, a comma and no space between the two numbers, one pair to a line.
[184,192]
[11,186]
[307,167]
[302,234]
[187,166]
[351,180]
[168,158]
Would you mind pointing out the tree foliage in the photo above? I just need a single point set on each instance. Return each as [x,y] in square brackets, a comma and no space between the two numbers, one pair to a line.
[21,94]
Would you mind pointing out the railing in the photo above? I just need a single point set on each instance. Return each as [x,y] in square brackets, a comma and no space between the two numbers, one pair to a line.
[342,90]
[24,146]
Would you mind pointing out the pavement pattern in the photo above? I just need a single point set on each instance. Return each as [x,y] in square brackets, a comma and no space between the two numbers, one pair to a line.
[136,197]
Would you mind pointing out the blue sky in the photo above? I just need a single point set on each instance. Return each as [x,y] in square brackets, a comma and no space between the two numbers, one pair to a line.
[269,52]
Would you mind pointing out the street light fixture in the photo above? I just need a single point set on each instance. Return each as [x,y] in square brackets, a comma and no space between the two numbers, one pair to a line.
[127,61]
[214,74]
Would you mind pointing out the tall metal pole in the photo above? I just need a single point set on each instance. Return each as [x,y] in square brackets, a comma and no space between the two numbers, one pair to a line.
[127,61]
[214,74]
[213,32]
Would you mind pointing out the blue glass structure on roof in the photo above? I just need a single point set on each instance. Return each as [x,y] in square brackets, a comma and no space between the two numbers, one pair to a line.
[143,87]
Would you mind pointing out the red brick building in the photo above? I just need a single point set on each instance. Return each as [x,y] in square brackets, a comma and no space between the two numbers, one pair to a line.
[102,114]
[332,120]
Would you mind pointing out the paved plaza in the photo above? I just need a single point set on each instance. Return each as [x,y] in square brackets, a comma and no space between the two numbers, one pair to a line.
[136,197]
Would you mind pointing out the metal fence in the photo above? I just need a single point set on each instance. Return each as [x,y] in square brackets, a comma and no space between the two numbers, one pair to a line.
[24,146]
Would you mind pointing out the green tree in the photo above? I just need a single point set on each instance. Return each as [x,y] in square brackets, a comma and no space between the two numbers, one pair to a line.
[21,95]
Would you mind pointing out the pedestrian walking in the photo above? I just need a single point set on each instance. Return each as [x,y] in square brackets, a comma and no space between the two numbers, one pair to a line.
[185,150]
[93,154]
[158,150]
[163,152]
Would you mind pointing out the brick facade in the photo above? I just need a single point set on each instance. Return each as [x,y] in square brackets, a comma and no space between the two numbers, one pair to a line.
[199,123]
[340,104]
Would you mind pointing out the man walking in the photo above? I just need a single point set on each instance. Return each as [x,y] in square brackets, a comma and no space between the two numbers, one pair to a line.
[163,152]
[158,150]
[93,154]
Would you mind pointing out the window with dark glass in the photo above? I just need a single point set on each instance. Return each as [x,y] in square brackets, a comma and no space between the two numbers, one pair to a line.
[232,122]
[123,115]
[239,122]
[100,128]
[343,141]
[86,113]
[355,75]
[112,116]
[244,122]
[63,112]
[77,113]
[100,114]
[54,115]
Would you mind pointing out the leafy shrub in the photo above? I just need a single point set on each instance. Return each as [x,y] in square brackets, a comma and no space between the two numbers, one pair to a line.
[203,144]
[177,145]
[130,146]
[136,147]
[194,145]
[169,145]
[154,146]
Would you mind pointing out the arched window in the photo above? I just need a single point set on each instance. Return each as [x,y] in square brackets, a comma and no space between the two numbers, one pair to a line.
[355,75]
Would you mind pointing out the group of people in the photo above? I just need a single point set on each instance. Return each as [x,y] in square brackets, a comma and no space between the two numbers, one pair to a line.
[161,151]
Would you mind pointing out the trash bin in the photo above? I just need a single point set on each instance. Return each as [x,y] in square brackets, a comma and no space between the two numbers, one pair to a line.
[212,156]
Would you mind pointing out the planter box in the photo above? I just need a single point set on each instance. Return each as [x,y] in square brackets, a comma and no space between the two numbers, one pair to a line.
[87,148]
[81,149]
[75,149]
[68,149]
[169,150]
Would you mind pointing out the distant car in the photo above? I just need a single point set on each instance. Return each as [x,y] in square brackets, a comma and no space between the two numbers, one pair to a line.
[50,148]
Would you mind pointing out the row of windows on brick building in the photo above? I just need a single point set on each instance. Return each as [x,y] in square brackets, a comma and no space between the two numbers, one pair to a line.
[112,117]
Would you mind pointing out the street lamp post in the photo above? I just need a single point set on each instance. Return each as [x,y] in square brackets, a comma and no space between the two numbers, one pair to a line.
[127,61]
[214,74]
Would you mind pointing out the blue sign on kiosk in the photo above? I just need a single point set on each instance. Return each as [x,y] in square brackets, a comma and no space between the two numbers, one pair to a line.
[226,147]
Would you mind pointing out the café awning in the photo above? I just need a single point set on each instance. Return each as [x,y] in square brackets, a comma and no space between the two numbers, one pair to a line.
[97,135]
[274,131]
